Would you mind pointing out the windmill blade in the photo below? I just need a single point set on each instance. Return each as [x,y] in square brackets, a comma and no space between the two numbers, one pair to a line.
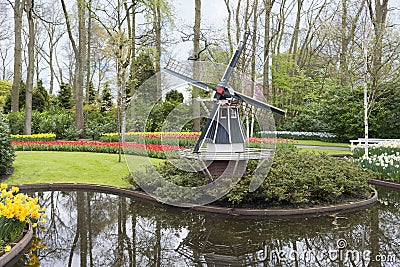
[233,61]
[193,82]
[206,128]
[260,104]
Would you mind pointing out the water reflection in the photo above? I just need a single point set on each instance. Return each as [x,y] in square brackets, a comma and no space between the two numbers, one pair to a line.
[97,229]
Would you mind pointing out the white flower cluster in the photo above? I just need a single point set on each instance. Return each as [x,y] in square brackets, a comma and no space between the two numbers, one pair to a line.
[307,135]
[386,164]
[386,144]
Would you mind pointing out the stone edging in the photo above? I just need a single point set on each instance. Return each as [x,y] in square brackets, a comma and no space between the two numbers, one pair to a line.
[210,209]
[385,184]
[18,247]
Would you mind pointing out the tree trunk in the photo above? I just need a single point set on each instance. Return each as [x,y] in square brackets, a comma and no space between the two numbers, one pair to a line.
[196,51]
[157,28]
[295,38]
[228,26]
[379,22]
[51,71]
[267,47]
[31,64]
[344,45]
[18,9]
[80,68]
[88,56]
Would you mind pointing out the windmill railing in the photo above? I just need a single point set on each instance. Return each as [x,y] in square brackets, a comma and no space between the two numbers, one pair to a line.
[247,154]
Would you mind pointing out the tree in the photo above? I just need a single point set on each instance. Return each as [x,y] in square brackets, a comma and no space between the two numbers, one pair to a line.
[174,97]
[80,57]
[64,97]
[21,98]
[40,97]
[18,10]
[31,62]
[54,34]
[91,94]
[196,51]
[5,90]
[106,98]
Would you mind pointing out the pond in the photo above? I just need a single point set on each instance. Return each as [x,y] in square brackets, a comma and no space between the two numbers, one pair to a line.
[97,229]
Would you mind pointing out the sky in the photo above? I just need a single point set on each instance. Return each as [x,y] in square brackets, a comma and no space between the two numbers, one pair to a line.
[213,15]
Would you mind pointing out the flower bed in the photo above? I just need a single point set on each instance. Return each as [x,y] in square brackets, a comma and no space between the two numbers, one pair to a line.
[16,210]
[155,145]
[154,151]
[383,159]
[188,139]
[321,136]
[33,137]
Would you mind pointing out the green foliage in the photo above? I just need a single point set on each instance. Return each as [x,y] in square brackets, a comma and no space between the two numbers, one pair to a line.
[21,99]
[57,121]
[10,230]
[343,113]
[6,150]
[91,94]
[40,97]
[5,90]
[295,179]
[309,178]
[384,121]
[160,111]
[106,98]
[64,97]
[143,66]
[100,122]
[174,96]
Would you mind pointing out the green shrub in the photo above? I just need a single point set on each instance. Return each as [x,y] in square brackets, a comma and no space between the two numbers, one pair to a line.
[6,150]
[295,179]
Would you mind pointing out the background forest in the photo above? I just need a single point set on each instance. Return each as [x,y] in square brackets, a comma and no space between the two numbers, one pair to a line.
[72,67]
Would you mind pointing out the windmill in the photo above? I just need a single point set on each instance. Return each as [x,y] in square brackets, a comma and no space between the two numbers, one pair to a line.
[221,146]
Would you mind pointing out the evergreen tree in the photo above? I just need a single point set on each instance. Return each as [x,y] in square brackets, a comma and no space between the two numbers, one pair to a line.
[174,96]
[21,98]
[64,97]
[92,94]
[143,66]
[106,98]
[40,97]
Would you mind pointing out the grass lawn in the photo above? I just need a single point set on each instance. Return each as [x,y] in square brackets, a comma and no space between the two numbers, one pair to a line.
[72,167]
[327,151]
[321,143]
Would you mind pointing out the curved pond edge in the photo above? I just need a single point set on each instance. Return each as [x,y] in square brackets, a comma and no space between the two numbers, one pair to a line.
[18,247]
[385,184]
[312,211]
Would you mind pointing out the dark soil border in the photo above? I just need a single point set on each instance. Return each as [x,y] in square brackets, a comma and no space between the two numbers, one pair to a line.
[312,211]
[18,247]
[4,177]
[385,184]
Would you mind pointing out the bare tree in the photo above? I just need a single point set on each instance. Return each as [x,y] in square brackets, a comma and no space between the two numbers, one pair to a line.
[18,10]
[31,66]
[80,56]
[196,51]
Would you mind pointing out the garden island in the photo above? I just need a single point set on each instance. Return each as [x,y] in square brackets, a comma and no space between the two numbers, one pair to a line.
[244,134]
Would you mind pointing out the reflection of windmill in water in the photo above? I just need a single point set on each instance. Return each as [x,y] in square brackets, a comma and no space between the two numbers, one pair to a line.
[221,146]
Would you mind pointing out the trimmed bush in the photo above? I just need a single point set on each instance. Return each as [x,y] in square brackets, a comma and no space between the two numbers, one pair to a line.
[295,179]
[6,150]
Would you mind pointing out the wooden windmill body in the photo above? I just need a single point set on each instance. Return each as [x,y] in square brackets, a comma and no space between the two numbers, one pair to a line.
[221,147]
